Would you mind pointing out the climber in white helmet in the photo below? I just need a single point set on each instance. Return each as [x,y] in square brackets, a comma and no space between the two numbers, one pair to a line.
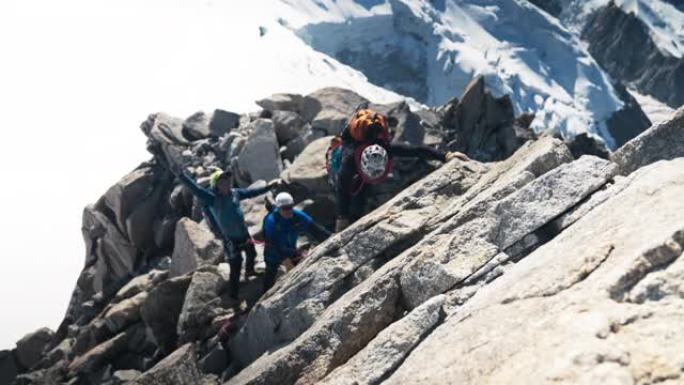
[282,226]
[362,155]
[221,206]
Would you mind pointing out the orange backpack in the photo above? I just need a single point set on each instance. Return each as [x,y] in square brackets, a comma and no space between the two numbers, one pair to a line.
[359,125]
[366,119]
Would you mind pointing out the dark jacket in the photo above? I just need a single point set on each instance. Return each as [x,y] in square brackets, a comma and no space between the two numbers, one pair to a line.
[281,234]
[223,212]
[347,187]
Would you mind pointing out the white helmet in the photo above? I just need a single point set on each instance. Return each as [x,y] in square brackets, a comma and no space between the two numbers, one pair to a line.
[284,199]
[374,161]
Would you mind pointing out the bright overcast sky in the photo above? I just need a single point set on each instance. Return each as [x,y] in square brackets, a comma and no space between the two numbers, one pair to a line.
[76,79]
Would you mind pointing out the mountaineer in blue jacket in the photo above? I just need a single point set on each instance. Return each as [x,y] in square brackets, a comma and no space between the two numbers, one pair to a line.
[282,227]
[221,206]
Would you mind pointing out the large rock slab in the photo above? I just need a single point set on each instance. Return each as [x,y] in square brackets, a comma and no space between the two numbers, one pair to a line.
[288,126]
[387,351]
[408,128]
[260,156]
[200,125]
[31,346]
[335,337]
[124,313]
[162,308]
[662,141]
[467,189]
[8,367]
[305,106]
[286,311]
[483,126]
[99,355]
[143,282]
[308,169]
[56,354]
[201,298]
[461,250]
[109,253]
[134,202]
[223,122]
[125,195]
[178,368]
[602,295]
[195,245]
[164,129]
[336,106]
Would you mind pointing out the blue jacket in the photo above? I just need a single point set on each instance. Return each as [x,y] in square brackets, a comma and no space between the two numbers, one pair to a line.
[223,212]
[281,234]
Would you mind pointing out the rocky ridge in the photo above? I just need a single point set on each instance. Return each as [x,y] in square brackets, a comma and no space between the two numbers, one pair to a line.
[613,35]
[619,37]
[544,264]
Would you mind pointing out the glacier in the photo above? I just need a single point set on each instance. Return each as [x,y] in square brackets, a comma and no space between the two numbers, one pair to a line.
[431,50]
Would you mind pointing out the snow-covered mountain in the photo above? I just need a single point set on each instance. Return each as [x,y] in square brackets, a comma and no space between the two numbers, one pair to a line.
[430,50]
[638,42]
[664,23]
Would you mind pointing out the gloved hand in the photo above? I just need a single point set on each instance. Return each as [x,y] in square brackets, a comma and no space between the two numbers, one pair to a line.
[455,154]
[341,224]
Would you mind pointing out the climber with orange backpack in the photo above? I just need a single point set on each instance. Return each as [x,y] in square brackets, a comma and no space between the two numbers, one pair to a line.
[362,155]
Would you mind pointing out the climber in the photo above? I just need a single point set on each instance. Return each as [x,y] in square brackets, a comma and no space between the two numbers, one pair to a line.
[221,206]
[361,156]
[282,227]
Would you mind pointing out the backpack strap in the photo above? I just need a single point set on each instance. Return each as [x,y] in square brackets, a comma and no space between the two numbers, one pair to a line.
[335,143]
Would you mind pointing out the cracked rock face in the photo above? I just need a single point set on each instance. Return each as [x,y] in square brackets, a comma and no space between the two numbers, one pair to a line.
[437,211]
[542,267]
[551,269]
[389,348]
[664,141]
[292,306]
[580,304]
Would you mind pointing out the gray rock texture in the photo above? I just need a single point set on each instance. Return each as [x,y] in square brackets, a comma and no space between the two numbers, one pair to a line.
[546,266]
[662,141]
[195,245]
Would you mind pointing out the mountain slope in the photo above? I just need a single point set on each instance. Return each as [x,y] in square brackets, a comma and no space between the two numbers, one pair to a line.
[640,43]
[539,232]
[432,50]
[614,36]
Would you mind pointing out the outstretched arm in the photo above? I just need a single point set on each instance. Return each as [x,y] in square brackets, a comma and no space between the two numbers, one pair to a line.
[423,152]
[197,190]
[318,232]
[246,193]
[313,229]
